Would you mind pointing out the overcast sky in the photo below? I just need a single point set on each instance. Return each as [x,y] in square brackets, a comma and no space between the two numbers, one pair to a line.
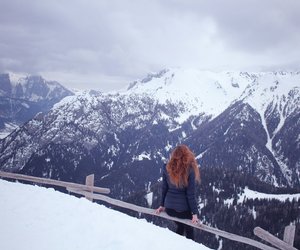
[106,45]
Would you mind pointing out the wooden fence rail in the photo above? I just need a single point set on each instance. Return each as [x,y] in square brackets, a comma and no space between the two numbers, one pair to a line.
[64,184]
[265,235]
[92,193]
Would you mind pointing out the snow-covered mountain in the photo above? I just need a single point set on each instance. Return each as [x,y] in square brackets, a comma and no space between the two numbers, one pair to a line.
[276,98]
[39,218]
[22,97]
[243,121]
[198,90]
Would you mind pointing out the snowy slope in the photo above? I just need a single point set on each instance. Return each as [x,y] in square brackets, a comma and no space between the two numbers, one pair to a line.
[16,78]
[35,218]
[273,91]
[211,91]
[251,194]
[271,86]
[202,91]
[8,128]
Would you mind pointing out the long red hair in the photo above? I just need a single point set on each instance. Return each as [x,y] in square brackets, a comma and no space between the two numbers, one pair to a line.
[182,159]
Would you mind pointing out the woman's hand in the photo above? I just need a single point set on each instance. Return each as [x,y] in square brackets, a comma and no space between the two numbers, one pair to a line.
[159,210]
[195,219]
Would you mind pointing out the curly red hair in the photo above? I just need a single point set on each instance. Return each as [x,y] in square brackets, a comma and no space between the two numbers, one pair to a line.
[182,159]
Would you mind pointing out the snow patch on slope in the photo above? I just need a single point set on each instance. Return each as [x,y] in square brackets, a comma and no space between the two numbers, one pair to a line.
[251,194]
[8,128]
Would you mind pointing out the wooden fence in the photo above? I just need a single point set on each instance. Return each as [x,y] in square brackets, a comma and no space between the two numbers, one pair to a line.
[89,186]
[92,193]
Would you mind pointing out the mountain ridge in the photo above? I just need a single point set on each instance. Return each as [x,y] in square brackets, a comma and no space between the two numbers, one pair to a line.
[138,127]
[22,97]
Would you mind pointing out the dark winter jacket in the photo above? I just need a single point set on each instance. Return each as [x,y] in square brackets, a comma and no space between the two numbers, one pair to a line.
[179,199]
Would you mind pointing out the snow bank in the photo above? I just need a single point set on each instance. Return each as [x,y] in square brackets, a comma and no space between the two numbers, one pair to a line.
[250,194]
[37,218]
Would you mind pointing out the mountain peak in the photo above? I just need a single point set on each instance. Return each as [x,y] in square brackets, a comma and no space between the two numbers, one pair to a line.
[23,96]
[30,87]
[198,88]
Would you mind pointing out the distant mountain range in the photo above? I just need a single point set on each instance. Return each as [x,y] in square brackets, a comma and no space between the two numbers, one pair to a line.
[243,128]
[22,97]
[244,122]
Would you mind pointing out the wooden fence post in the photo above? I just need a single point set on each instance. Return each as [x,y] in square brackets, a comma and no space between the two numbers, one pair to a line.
[265,235]
[289,234]
[89,181]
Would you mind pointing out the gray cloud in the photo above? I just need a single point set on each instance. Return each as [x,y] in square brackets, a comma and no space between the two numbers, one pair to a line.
[106,44]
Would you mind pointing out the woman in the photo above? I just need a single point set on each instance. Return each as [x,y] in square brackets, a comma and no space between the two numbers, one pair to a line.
[180,176]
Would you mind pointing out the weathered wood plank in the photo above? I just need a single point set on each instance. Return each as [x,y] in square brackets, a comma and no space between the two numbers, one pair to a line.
[89,181]
[265,235]
[289,234]
[149,211]
[53,182]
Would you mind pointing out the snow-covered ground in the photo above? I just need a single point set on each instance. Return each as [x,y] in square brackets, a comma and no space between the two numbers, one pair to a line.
[250,194]
[37,218]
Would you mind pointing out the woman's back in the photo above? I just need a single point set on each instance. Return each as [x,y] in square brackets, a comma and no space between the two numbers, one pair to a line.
[178,188]
[179,198]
